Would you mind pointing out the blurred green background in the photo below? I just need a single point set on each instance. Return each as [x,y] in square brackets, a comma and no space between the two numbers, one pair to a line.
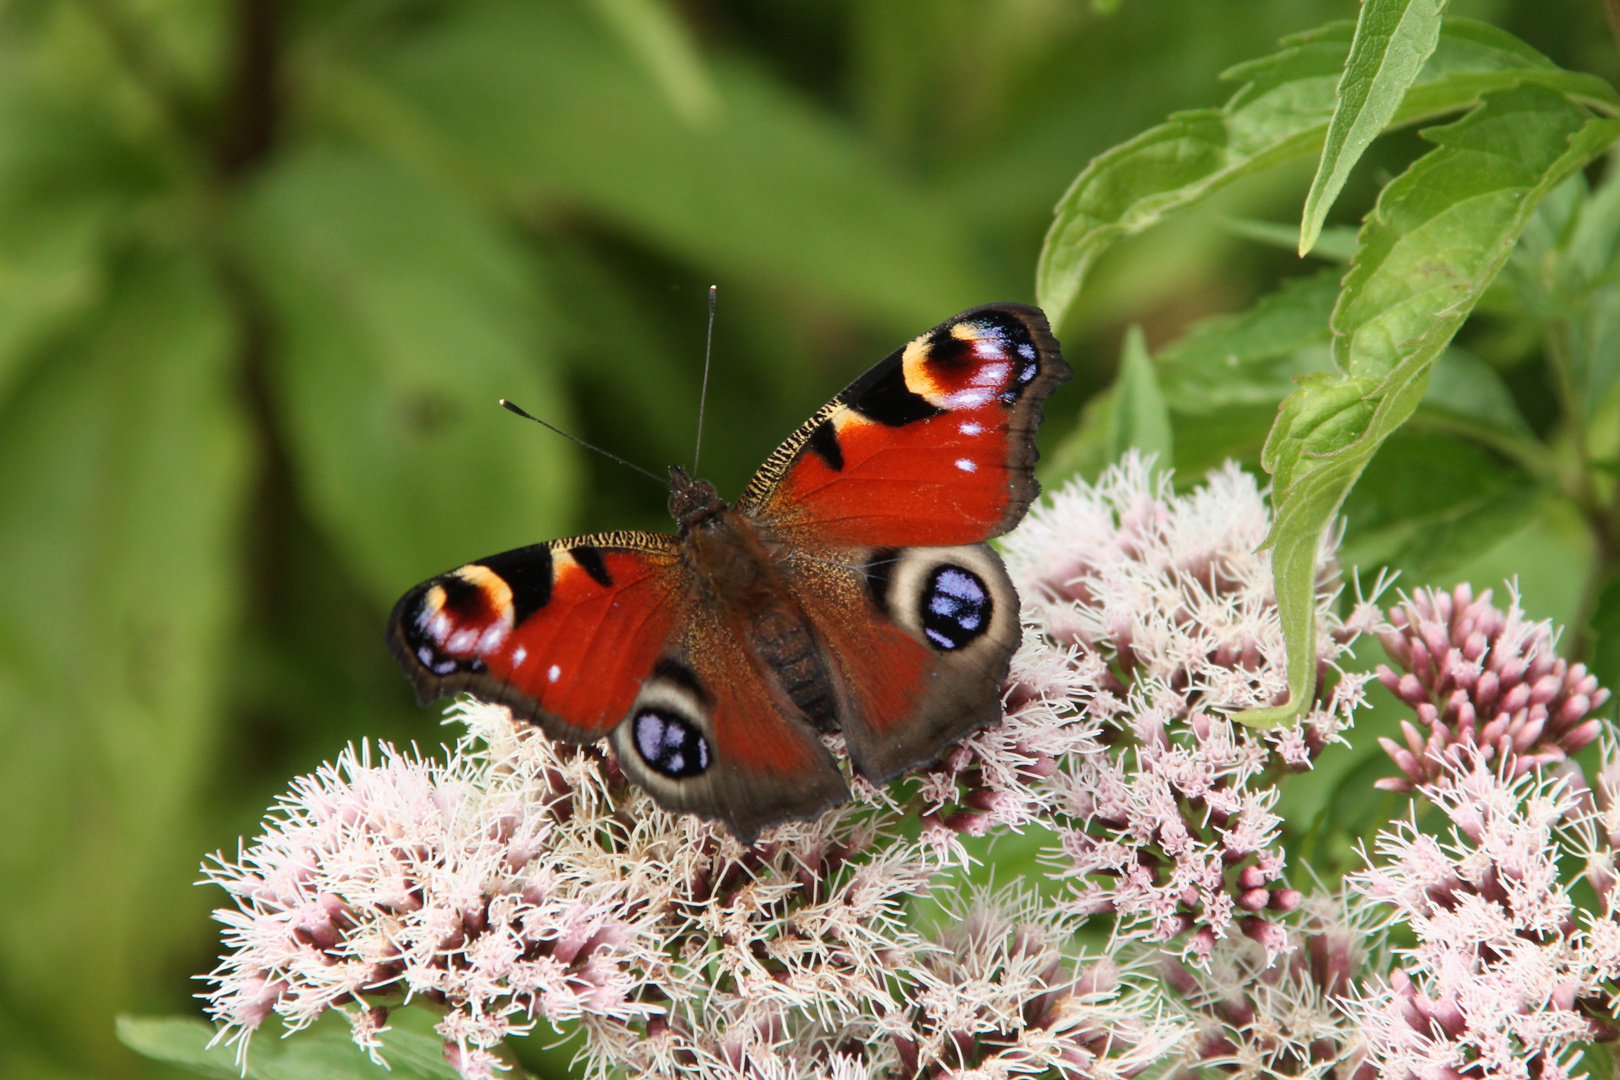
[266,265]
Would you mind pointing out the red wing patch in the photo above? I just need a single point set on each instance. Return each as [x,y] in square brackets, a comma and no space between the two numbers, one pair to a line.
[934,446]
[563,632]
[884,671]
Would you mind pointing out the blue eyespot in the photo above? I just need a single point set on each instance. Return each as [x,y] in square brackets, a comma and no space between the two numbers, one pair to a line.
[669,744]
[956,607]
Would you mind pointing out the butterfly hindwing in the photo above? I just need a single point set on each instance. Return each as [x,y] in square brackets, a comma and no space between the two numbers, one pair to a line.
[562,633]
[921,639]
[934,446]
[711,733]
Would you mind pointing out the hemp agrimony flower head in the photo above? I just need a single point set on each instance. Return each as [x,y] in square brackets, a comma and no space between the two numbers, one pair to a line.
[523,879]
[1284,1018]
[1164,604]
[1481,680]
[1508,973]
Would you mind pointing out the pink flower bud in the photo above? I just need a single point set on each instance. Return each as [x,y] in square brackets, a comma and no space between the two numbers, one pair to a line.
[1573,709]
[1545,689]
[1254,899]
[1583,736]
[1285,900]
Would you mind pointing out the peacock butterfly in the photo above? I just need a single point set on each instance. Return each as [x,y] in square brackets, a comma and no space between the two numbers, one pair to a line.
[849,589]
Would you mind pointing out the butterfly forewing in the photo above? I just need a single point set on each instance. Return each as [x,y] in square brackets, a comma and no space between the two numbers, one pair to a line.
[933,446]
[563,633]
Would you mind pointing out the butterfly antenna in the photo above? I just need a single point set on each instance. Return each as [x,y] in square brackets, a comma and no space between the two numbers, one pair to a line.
[703,395]
[511,408]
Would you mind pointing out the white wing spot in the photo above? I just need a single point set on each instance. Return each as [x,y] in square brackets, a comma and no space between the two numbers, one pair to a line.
[970,428]
[966,465]
[519,655]
[554,673]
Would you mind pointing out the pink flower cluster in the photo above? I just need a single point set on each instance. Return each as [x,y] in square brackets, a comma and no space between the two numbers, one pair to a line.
[524,879]
[1481,680]
[1285,1018]
[1162,604]
[1508,973]
[1072,1019]
[452,884]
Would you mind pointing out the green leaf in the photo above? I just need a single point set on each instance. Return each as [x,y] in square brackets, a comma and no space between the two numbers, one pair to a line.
[1205,441]
[1605,630]
[324,1051]
[1087,450]
[1463,385]
[124,466]
[181,1041]
[1394,38]
[1252,358]
[541,104]
[1438,236]
[1430,501]
[401,316]
[1142,421]
[1562,285]
[655,37]
[1548,563]
[1281,111]
[1220,382]
[68,175]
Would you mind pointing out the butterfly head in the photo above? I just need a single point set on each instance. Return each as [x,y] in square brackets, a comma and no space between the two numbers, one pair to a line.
[692,502]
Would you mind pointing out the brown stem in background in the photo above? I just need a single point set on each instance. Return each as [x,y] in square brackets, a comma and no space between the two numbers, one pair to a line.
[245,139]
[248,130]
[1611,8]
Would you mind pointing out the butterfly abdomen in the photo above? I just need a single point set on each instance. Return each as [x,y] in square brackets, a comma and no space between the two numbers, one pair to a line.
[736,574]
[783,641]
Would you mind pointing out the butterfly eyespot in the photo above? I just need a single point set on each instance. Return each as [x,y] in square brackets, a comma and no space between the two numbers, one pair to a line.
[669,744]
[955,607]
[456,620]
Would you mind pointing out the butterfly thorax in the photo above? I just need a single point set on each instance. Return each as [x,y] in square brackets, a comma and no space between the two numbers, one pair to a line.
[734,574]
[692,502]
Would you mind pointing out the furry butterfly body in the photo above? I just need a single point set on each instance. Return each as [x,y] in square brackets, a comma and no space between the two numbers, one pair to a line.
[849,589]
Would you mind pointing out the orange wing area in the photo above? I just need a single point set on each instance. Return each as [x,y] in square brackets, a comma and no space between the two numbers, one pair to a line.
[564,632]
[934,446]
